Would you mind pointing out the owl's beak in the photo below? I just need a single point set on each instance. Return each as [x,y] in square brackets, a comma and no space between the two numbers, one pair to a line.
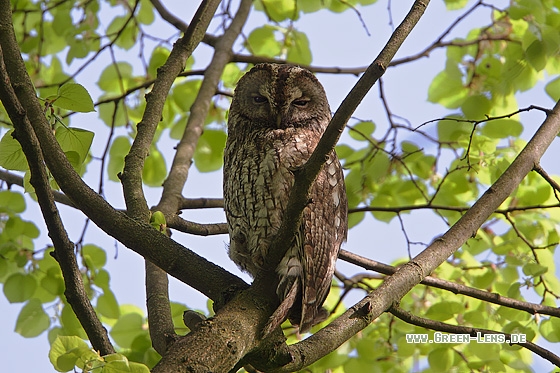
[278,120]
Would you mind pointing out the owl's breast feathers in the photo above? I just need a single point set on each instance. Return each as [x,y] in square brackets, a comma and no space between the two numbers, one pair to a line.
[260,154]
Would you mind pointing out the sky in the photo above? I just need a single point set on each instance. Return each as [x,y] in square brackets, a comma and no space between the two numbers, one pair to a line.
[344,43]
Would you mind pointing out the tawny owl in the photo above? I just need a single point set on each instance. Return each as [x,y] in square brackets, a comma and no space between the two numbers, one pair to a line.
[277,116]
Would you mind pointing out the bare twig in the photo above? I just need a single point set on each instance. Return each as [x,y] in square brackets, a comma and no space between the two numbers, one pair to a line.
[474,332]
[453,287]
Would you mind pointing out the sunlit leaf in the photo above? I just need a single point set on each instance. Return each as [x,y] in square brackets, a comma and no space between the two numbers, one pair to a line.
[11,202]
[19,287]
[75,140]
[553,89]
[209,152]
[72,96]
[262,41]
[536,55]
[11,154]
[155,169]
[127,327]
[299,51]
[32,319]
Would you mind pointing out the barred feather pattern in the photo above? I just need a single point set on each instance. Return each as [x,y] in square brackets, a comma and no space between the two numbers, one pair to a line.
[277,116]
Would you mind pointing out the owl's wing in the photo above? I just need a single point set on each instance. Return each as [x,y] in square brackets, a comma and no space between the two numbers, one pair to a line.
[325,228]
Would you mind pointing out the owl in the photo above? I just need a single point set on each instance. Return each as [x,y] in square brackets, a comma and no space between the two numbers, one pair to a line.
[277,116]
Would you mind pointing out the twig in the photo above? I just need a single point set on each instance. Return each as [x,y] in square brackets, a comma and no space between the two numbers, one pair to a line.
[453,287]
[555,186]
[196,228]
[456,329]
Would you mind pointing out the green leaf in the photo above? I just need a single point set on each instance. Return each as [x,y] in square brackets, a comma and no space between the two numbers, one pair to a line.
[534,269]
[94,256]
[73,96]
[127,327]
[11,154]
[553,89]
[502,128]
[115,77]
[209,152]
[119,149]
[66,350]
[11,202]
[157,220]
[75,142]
[146,13]
[441,359]
[377,167]
[19,287]
[298,48]
[184,94]
[262,42]
[107,305]
[278,10]
[155,170]
[362,131]
[448,89]
[78,48]
[536,55]
[476,107]
[311,6]
[53,281]
[451,131]
[445,310]
[70,323]
[550,329]
[455,5]
[124,30]
[157,59]
[355,218]
[32,319]
[138,368]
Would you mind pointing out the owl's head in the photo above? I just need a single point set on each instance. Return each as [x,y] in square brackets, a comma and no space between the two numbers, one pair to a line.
[273,96]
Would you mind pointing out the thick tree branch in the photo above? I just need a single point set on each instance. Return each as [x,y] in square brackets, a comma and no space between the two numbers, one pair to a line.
[410,274]
[157,295]
[173,186]
[63,248]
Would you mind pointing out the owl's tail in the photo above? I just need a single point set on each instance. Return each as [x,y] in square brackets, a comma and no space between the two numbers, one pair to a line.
[283,309]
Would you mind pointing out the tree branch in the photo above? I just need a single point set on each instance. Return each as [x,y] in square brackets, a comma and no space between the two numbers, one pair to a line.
[173,186]
[177,260]
[410,274]
[453,287]
[175,182]
[13,179]
[473,332]
[305,176]
[186,226]
[63,247]
[134,160]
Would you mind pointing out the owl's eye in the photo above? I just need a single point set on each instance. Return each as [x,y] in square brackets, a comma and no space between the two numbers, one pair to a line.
[258,99]
[300,102]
